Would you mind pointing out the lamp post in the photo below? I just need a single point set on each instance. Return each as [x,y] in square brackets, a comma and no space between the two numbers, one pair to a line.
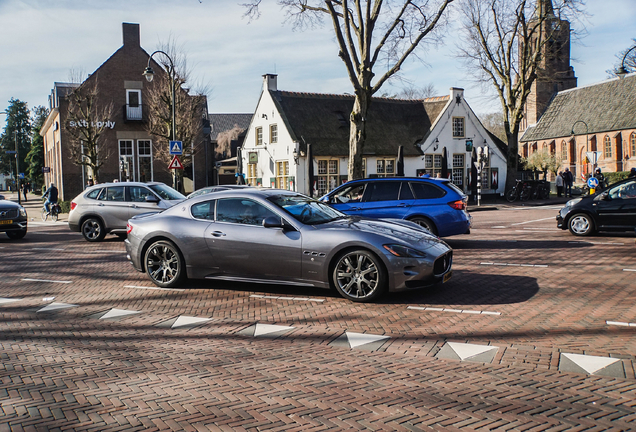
[587,130]
[621,71]
[150,74]
[482,157]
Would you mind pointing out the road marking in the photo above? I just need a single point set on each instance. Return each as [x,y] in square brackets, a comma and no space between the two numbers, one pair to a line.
[541,229]
[536,220]
[596,243]
[48,249]
[46,280]
[634,270]
[265,329]
[499,226]
[515,265]
[8,300]
[358,339]
[618,323]
[286,298]
[153,288]
[434,309]
[57,306]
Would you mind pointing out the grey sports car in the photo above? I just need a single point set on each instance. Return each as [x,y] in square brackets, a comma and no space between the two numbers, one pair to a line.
[276,236]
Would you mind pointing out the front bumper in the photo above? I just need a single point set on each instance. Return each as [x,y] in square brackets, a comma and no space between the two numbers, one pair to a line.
[410,274]
[15,225]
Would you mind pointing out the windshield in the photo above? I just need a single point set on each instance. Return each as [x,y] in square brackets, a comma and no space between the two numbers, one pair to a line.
[166,192]
[306,210]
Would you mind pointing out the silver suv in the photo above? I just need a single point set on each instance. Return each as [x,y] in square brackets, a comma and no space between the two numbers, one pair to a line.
[106,207]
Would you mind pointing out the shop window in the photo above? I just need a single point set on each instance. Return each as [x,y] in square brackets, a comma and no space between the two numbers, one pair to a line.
[458,169]
[327,178]
[385,167]
[282,174]
[251,175]
[144,161]
[433,164]
[126,164]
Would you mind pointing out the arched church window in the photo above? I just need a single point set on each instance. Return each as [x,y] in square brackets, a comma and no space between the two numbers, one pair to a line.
[607,147]
[564,150]
[632,141]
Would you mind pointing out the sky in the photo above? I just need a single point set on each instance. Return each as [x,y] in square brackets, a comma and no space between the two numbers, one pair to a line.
[41,41]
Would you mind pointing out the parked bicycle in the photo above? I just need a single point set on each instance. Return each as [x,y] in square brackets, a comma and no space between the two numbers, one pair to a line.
[55,211]
[521,190]
[541,190]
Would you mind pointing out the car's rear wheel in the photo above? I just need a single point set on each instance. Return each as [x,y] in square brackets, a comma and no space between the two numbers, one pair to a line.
[581,225]
[93,230]
[359,276]
[164,264]
[425,223]
[16,235]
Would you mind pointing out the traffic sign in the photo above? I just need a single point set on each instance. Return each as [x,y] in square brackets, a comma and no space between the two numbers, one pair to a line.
[175,163]
[176,148]
[46,169]
[593,156]
[592,182]
[21,175]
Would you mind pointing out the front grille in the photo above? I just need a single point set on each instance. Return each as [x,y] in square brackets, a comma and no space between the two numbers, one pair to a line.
[443,263]
[8,213]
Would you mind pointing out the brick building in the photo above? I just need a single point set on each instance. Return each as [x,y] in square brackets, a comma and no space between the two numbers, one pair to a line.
[133,155]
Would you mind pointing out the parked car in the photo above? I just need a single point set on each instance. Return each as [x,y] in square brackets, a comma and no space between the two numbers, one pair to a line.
[613,209]
[277,236]
[435,204]
[105,208]
[216,188]
[13,219]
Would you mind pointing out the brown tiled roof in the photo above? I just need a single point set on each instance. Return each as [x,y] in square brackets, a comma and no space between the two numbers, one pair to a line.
[606,106]
[323,121]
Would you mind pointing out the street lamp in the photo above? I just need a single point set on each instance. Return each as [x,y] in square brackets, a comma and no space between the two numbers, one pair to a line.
[150,74]
[587,150]
[621,71]
[483,153]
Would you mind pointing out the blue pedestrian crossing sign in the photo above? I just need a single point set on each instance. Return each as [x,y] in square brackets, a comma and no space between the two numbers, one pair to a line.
[176,147]
[592,182]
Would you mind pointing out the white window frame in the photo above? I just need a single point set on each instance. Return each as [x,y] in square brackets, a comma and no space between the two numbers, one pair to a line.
[133,113]
[327,179]
[126,156]
[383,162]
[455,124]
[458,173]
[140,156]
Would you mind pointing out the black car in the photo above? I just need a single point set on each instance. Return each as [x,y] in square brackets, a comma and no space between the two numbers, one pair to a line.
[13,219]
[613,209]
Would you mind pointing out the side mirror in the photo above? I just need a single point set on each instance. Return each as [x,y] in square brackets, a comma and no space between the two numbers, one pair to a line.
[605,196]
[273,222]
[152,199]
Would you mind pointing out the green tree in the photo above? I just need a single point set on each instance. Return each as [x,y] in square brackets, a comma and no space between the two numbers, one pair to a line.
[18,127]
[371,35]
[35,157]
[541,161]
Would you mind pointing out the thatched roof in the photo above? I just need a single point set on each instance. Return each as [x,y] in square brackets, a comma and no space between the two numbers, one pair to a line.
[323,121]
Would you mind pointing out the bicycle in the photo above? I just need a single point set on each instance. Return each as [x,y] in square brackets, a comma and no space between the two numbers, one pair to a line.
[520,190]
[55,211]
[541,191]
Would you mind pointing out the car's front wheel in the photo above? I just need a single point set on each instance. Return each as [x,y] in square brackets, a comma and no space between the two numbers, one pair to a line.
[359,276]
[581,225]
[16,235]
[93,230]
[164,264]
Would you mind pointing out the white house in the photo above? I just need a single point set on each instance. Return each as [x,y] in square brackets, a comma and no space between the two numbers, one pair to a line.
[275,149]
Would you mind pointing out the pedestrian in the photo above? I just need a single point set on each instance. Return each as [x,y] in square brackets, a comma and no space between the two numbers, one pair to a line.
[602,184]
[24,191]
[632,173]
[559,184]
[90,182]
[568,180]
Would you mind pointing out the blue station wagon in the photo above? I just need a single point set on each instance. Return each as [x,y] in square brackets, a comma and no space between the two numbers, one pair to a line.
[436,204]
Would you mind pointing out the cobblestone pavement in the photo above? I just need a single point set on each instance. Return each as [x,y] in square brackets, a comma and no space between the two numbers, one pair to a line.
[535,331]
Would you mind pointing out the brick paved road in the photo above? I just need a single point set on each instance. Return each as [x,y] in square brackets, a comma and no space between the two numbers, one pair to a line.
[527,295]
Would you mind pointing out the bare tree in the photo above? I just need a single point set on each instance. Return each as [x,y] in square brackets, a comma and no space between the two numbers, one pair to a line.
[409,91]
[190,109]
[87,119]
[369,34]
[224,140]
[505,40]
[629,54]
[493,122]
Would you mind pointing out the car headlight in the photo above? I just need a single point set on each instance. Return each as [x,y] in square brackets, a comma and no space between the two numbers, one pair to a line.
[572,202]
[403,251]
[23,211]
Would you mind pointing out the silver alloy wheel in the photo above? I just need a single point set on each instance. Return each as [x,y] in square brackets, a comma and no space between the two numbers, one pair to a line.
[163,264]
[92,230]
[358,276]
[580,225]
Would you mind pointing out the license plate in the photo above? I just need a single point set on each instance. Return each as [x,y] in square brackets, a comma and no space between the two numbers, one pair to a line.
[447,276]
[6,222]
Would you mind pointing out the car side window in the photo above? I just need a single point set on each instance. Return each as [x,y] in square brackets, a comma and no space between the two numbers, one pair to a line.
[203,210]
[113,194]
[405,192]
[624,191]
[94,193]
[241,211]
[138,193]
[383,191]
[350,194]
[424,190]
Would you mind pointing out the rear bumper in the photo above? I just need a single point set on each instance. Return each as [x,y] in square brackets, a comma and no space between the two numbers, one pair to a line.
[133,257]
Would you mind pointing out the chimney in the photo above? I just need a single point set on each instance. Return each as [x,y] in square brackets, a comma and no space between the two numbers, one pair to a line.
[270,82]
[131,35]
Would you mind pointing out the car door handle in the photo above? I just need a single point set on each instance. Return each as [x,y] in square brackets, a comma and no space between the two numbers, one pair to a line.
[101,204]
[401,205]
[356,208]
[218,234]
[133,206]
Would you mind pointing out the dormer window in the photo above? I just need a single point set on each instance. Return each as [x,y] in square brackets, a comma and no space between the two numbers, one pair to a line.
[458,127]
[133,105]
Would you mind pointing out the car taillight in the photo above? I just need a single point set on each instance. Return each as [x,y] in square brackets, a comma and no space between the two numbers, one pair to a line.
[129,228]
[73,205]
[458,205]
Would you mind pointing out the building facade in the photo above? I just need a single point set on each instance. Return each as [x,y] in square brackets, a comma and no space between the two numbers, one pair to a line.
[285,124]
[132,154]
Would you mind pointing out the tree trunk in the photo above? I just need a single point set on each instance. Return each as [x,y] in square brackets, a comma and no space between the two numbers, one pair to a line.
[358,133]
[513,157]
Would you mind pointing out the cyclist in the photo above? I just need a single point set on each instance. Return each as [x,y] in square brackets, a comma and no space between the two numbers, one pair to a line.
[51,197]
[602,184]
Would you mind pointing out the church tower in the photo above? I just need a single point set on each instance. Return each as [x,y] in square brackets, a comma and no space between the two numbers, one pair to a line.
[554,72]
